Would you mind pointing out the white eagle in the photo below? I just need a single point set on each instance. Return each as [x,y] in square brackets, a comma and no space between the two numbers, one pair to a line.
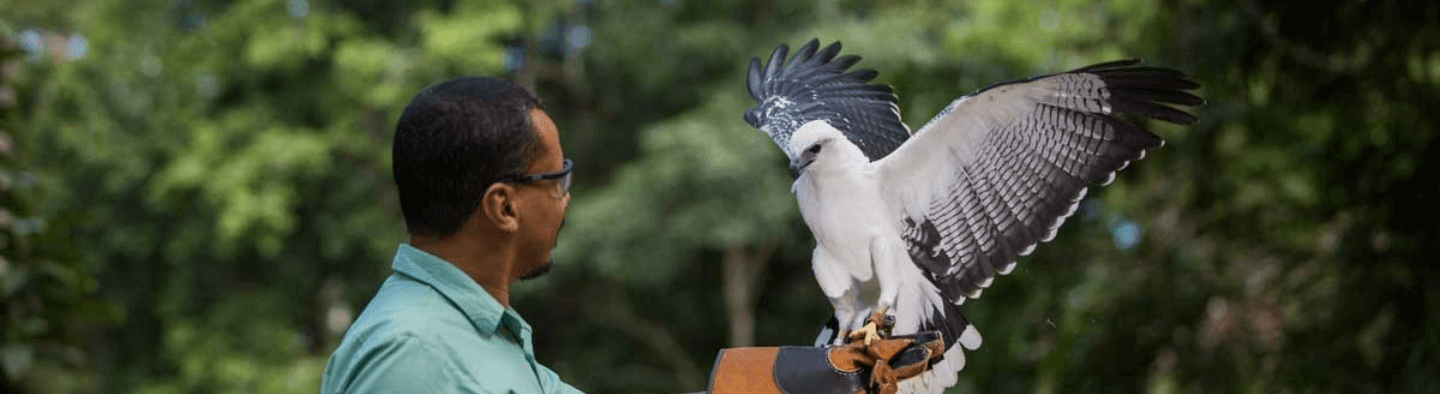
[909,226]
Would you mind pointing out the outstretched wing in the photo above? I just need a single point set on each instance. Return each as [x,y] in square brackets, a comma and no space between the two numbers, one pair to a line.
[998,171]
[814,86]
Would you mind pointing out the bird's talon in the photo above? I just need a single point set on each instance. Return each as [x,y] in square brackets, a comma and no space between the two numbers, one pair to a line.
[870,333]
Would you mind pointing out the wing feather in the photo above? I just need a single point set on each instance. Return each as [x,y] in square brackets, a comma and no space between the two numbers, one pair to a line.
[814,85]
[1000,232]
[998,171]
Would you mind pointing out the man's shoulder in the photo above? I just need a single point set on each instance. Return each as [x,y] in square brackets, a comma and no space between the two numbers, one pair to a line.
[404,308]
[409,325]
[405,322]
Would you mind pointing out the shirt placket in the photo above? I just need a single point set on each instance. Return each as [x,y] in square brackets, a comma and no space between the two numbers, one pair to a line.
[521,335]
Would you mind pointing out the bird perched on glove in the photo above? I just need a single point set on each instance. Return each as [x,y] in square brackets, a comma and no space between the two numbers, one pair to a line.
[911,225]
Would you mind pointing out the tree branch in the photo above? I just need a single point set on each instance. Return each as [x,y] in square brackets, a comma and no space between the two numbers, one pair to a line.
[618,314]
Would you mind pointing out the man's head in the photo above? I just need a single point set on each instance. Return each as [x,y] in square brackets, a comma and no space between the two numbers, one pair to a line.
[462,152]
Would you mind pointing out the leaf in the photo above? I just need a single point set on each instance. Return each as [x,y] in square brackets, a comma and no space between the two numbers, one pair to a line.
[17,359]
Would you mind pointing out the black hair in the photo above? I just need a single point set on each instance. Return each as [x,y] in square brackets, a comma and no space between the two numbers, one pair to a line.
[452,142]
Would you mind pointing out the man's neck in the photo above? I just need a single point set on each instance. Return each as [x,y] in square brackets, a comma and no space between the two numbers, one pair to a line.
[489,268]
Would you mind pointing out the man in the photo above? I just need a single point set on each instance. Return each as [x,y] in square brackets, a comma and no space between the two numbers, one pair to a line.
[483,187]
[442,322]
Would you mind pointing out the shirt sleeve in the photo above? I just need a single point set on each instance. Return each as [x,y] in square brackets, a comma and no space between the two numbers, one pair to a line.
[551,383]
[407,365]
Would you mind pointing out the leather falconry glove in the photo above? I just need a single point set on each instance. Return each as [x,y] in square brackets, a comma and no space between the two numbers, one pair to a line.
[851,368]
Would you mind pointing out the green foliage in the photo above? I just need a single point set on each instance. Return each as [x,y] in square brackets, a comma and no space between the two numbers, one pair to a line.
[47,295]
[219,172]
[232,349]
[702,185]
[246,152]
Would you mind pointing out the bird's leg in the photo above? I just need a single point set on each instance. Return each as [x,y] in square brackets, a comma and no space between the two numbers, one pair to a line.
[845,314]
[837,285]
[885,255]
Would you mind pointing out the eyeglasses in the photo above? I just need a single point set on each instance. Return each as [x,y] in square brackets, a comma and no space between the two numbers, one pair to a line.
[563,176]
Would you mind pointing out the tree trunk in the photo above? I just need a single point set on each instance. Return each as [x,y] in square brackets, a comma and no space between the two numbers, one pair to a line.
[741,283]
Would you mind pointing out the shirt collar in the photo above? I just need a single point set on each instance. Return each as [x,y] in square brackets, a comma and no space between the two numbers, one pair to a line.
[483,311]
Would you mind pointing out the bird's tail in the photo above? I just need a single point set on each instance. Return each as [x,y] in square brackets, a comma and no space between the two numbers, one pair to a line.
[922,308]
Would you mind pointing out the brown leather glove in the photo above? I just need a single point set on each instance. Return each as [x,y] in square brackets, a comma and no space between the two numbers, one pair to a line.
[851,368]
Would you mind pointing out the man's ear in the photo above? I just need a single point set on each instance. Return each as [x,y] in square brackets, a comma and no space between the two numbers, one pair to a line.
[500,208]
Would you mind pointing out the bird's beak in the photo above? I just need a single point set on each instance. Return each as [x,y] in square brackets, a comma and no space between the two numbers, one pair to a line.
[798,166]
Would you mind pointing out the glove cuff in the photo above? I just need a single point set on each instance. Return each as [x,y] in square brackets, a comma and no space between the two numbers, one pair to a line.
[788,369]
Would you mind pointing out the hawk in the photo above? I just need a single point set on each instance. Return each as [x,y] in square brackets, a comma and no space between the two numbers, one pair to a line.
[910,226]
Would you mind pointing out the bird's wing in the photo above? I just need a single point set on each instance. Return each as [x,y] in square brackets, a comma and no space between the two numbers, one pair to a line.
[814,86]
[999,170]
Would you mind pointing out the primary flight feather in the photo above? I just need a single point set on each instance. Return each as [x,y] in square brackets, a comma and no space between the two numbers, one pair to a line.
[913,225]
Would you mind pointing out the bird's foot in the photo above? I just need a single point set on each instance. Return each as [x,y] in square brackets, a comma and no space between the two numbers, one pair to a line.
[870,332]
[877,326]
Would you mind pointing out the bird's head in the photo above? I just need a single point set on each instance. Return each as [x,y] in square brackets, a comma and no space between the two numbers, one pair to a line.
[814,144]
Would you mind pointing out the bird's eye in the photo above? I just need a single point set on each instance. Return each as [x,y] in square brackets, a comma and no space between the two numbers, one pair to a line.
[814,149]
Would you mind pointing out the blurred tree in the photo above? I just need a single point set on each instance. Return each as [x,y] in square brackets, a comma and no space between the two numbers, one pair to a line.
[227,165]
[1302,224]
[48,294]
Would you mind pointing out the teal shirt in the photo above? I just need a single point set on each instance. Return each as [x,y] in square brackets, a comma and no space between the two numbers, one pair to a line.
[432,329]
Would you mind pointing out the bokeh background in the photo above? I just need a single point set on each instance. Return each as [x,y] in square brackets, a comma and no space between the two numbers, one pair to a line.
[197,195]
